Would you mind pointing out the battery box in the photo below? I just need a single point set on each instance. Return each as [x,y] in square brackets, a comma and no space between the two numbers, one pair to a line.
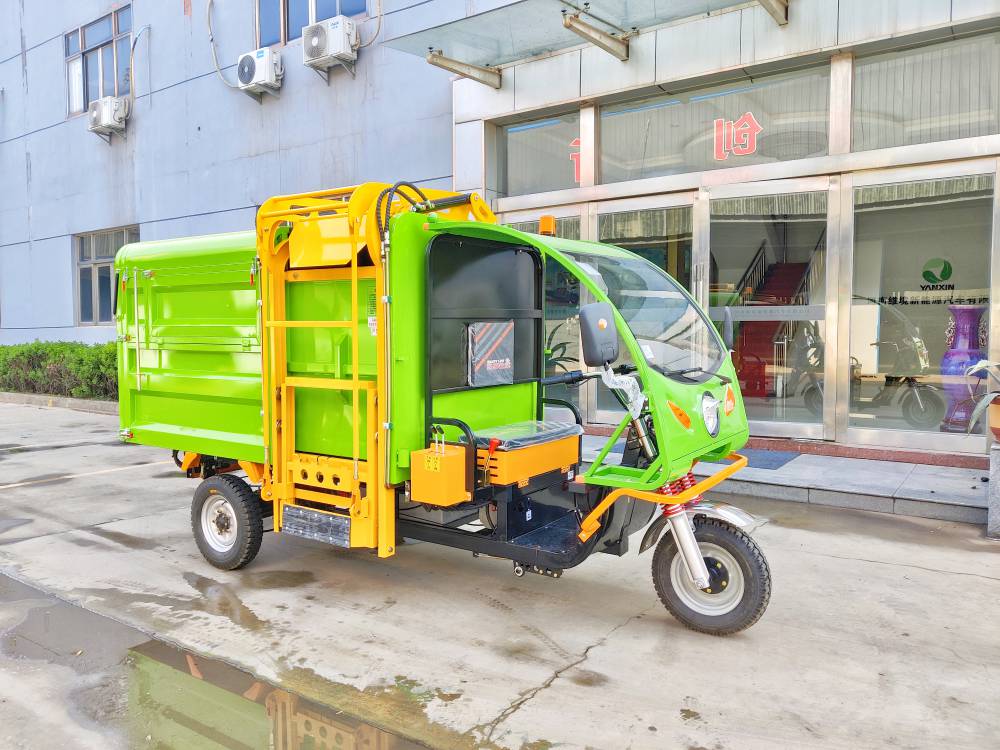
[518,466]
[438,475]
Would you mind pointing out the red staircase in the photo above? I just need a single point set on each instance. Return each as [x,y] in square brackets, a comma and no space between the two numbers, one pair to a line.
[755,349]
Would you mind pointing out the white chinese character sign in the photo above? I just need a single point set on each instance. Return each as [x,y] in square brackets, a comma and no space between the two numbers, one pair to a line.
[738,138]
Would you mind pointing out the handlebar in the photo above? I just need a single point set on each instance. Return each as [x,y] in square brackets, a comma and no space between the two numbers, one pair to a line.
[578,376]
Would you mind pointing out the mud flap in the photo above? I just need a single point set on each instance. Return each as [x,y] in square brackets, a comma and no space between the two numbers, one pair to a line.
[653,533]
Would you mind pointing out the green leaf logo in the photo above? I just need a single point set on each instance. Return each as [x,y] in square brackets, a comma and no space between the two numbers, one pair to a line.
[937,271]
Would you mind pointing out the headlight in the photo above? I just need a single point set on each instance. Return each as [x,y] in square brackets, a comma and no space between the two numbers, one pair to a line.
[710,413]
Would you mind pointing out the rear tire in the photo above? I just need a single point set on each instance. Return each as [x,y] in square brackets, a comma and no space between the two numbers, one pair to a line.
[226,517]
[740,577]
[925,413]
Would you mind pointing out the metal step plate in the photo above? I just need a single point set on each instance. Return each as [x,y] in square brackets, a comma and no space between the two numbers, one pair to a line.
[316,525]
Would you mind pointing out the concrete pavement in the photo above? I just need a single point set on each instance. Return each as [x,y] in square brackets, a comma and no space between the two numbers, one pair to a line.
[881,629]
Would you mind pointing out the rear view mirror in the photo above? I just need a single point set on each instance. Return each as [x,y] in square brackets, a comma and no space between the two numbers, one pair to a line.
[728,335]
[598,334]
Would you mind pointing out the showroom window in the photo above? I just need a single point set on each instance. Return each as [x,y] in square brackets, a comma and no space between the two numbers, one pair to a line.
[95,257]
[540,155]
[756,121]
[280,21]
[920,309]
[936,93]
[97,59]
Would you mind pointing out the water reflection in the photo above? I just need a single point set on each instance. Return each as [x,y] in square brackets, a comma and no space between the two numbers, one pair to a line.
[179,700]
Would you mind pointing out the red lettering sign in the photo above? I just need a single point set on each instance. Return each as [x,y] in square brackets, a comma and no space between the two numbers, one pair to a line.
[738,138]
[575,158]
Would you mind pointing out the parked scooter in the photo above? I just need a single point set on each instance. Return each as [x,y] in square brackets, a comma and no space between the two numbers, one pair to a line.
[903,355]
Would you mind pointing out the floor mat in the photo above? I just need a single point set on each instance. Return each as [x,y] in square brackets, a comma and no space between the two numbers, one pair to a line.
[763,459]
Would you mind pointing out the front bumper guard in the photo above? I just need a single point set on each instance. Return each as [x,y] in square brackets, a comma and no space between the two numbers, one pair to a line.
[591,522]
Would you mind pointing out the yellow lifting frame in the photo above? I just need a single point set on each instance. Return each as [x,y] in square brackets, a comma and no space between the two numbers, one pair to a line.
[373,513]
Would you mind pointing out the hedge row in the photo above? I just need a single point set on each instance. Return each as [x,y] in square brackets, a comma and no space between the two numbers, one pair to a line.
[60,369]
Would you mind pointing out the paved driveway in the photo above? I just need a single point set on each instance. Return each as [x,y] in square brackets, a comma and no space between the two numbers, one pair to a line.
[882,630]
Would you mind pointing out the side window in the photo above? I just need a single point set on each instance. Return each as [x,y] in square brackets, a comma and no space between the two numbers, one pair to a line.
[95,255]
[98,60]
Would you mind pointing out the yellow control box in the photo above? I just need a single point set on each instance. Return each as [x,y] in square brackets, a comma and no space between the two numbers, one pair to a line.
[438,475]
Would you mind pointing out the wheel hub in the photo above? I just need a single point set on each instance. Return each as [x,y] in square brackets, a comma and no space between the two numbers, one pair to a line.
[718,576]
[218,523]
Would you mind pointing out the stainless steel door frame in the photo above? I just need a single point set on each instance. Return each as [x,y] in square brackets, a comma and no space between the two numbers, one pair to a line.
[908,439]
[824,429]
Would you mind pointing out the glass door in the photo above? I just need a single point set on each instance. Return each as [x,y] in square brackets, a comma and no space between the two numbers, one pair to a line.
[659,229]
[920,306]
[769,265]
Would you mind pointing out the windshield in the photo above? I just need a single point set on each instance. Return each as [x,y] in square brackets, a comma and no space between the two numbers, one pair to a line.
[672,332]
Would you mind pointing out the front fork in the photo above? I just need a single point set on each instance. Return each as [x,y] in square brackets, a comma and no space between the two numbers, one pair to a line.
[682,527]
[681,523]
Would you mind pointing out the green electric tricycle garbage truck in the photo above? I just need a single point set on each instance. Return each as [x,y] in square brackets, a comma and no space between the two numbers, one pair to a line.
[368,367]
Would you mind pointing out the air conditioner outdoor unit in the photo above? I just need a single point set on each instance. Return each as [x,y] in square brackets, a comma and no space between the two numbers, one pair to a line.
[260,71]
[330,42]
[108,115]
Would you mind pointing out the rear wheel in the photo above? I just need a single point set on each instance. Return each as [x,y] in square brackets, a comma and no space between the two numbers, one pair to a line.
[922,407]
[226,520]
[739,580]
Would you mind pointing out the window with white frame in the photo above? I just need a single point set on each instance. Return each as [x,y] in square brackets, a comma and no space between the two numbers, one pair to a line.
[280,21]
[97,59]
[95,256]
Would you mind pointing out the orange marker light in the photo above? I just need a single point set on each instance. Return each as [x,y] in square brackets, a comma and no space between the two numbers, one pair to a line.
[680,414]
[730,401]
[547,225]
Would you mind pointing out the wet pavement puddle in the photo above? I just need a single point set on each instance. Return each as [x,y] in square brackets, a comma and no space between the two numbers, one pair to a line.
[131,691]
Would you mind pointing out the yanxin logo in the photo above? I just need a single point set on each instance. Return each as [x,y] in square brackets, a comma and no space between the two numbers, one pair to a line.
[937,271]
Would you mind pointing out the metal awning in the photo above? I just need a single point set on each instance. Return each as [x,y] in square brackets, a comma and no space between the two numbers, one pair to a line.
[528,28]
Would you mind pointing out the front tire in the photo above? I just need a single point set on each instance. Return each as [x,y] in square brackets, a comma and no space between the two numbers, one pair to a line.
[740,586]
[226,520]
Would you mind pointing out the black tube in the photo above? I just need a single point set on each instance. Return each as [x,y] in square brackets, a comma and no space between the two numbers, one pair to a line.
[470,451]
[450,202]
[566,405]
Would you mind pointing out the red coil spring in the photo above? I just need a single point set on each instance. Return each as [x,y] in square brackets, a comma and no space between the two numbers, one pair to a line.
[676,487]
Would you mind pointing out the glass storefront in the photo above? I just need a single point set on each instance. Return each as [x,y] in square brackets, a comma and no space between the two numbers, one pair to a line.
[934,93]
[920,303]
[774,118]
[768,266]
[540,155]
[859,284]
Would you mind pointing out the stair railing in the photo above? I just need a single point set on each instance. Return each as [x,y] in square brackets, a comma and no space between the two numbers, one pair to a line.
[746,287]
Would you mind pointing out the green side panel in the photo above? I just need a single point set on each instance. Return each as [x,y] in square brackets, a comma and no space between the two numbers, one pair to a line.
[189,345]
[481,408]
[168,708]
[324,418]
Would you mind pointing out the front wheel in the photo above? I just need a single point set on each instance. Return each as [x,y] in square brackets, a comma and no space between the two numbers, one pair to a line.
[739,580]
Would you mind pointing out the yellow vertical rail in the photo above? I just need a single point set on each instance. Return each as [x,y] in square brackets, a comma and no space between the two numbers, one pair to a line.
[373,507]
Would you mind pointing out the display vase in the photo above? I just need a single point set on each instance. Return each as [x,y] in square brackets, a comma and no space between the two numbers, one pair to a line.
[965,351]
[993,415]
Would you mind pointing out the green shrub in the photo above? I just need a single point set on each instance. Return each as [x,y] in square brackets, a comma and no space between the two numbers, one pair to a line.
[60,368]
